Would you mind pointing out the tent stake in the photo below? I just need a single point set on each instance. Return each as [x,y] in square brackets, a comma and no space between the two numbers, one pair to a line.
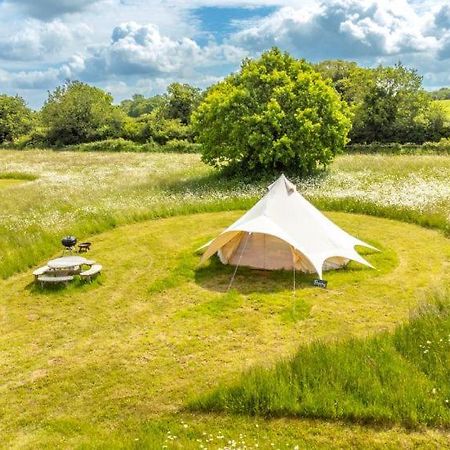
[239,261]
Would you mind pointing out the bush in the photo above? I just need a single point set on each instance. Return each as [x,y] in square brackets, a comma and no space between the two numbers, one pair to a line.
[277,114]
[443,146]
[133,130]
[113,145]
[35,139]
[77,113]
[15,118]
[154,127]
[123,145]
[181,146]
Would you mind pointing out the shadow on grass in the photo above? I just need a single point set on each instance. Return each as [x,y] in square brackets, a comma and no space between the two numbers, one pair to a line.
[223,182]
[77,285]
[216,276]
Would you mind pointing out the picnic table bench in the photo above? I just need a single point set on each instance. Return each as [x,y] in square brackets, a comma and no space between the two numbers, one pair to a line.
[63,270]
[41,271]
[94,270]
[54,279]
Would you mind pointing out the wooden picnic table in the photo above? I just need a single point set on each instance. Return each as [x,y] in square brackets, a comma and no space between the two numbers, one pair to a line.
[69,262]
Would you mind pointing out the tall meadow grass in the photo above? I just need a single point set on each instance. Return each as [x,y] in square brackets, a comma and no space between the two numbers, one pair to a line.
[389,378]
[84,193]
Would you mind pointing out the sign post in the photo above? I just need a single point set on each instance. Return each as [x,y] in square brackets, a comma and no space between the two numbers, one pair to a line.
[320,283]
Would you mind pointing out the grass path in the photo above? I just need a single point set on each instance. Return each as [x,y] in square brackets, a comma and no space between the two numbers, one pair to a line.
[114,361]
[6,183]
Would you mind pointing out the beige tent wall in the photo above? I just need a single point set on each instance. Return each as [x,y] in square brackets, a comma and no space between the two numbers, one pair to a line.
[263,251]
[226,251]
[302,264]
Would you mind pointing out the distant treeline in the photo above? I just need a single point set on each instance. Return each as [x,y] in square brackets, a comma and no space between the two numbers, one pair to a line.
[77,113]
[388,104]
[441,94]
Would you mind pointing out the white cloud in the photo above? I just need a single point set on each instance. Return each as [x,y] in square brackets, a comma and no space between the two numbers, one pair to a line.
[343,29]
[143,50]
[37,40]
[135,52]
[160,41]
[49,9]
[442,17]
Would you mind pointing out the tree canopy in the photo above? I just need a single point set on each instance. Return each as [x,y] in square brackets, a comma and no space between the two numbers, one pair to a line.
[182,99]
[139,105]
[276,114]
[15,118]
[77,112]
[441,94]
[389,103]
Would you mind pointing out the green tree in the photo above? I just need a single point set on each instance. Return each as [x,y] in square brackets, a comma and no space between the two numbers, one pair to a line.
[76,113]
[15,118]
[395,108]
[349,80]
[139,105]
[388,103]
[181,100]
[156,128]
[441,94]
[276,114]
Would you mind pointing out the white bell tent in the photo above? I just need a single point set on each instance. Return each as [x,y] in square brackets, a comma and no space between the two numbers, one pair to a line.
[284,231]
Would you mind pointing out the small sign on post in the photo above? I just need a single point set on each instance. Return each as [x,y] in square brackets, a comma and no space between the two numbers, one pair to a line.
[320,283]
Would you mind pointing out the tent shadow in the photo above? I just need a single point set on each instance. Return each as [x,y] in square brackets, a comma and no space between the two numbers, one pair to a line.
[216,276]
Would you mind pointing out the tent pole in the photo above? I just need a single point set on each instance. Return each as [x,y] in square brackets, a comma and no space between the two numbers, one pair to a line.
[239,261]
[293,282]
[293,291]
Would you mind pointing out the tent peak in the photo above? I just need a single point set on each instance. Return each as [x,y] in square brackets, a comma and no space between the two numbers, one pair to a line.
[283,181]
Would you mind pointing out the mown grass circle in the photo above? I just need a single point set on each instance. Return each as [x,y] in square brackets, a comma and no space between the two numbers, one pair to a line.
[158,328]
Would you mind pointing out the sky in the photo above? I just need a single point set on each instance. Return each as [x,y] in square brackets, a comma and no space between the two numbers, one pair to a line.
[141,46]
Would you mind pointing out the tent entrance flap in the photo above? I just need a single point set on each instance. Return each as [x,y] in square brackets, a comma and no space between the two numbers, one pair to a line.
[260,251]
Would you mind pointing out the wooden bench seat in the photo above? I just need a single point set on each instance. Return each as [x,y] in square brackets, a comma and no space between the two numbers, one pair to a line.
[94,270]
[41,271]
[49,279]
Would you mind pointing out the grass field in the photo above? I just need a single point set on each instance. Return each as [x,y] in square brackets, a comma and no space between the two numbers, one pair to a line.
[126,352]
[10,179]
[113,364]
[355,380]
[85,193]
[9,182]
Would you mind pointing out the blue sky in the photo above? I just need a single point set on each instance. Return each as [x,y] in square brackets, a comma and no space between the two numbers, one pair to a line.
[141,46]
[220,22]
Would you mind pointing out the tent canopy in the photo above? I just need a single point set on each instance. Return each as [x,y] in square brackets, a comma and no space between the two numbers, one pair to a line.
[284,231]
